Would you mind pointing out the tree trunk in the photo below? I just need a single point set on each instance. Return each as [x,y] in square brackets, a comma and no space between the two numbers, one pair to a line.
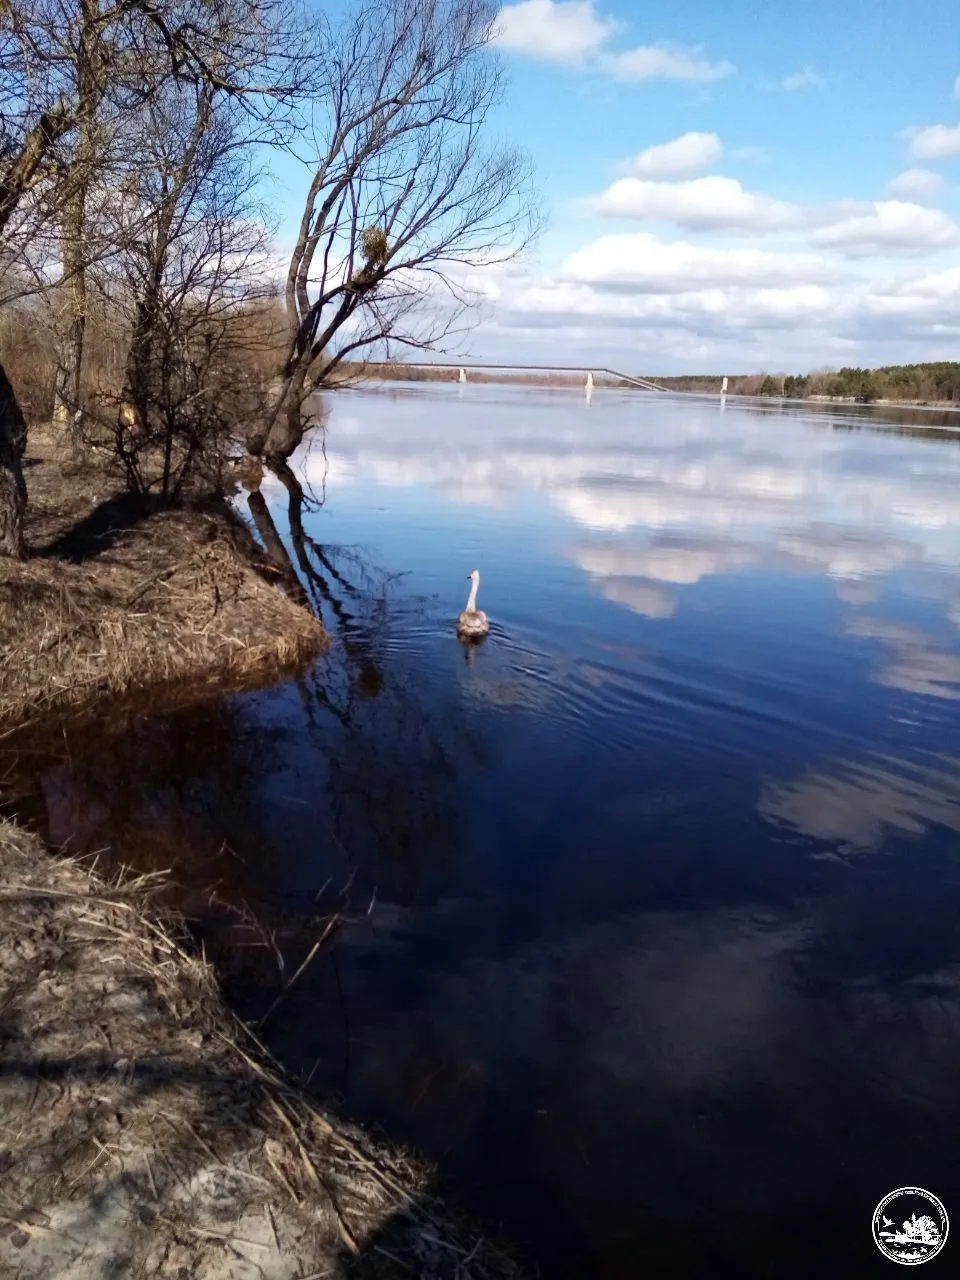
[69,365]
[75,250]
[21,171]
[13,489]
[283,406]
[66,400]
[18,177]
[288,427]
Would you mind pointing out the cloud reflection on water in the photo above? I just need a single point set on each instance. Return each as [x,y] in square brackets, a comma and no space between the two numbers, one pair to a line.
[856,804]
[676,492]
[645,598]
[914,663]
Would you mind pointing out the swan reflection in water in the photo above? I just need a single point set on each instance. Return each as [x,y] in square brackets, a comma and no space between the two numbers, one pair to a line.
[470,647]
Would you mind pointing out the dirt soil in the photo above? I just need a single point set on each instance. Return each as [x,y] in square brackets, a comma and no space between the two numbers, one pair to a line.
[119,597]
[145,1133]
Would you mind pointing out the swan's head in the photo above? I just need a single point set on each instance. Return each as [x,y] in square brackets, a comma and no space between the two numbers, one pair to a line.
[473,576]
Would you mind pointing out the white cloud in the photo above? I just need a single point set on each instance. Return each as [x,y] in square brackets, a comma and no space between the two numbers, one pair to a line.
[914,184]
[944,285]
[805,79]
[568,31]
[572,33]
[717,203]
[715,313]
[686,154]
[892,225]
[638,301]
[713,203]
[641,261]
[664,62]
[635,301]
[934,142]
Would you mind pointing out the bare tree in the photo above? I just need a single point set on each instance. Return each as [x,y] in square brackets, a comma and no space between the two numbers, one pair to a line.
[242,53]
[191,254]
[405,195]
[90,63]
[66,67]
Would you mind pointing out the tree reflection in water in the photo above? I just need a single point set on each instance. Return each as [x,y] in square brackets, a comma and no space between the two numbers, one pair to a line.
[889,419]
[394,762]
[272,810]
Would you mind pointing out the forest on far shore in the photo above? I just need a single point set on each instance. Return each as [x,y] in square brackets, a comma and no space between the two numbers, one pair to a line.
[933,383]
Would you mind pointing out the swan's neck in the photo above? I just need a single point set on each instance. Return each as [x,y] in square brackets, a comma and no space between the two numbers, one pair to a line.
[472,597]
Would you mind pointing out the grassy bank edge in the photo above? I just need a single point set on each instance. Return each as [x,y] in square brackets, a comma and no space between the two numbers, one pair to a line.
[119,600]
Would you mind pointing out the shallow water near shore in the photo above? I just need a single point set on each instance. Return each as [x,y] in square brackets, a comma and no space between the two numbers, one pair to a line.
[650,904]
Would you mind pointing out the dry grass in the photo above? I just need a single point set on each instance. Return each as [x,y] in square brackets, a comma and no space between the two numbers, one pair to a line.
[145,1132]
[118,600]
[29,356]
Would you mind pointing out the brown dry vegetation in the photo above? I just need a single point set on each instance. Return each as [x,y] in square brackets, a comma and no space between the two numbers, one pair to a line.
[119,597]
[252,341]
[145,1132]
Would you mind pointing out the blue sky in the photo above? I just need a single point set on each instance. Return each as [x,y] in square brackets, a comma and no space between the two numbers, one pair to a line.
[733,187]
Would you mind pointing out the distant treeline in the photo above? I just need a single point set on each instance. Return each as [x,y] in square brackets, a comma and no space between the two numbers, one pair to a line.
[400,371]
[936,382]
[933,383]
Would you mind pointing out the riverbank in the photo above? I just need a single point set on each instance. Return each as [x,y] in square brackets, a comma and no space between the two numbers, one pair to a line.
[120,597]
[749,385]
[144,1131]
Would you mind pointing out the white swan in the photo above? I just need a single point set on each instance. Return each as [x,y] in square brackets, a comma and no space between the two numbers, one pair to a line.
[472,623]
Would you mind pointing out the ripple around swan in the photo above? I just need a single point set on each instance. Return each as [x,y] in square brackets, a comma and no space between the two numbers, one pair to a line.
[648,695]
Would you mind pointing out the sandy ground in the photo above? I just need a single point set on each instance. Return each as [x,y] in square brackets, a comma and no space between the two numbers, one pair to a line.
[144,1133]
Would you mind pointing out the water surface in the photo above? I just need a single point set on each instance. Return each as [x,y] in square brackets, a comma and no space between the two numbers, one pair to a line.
[651,902]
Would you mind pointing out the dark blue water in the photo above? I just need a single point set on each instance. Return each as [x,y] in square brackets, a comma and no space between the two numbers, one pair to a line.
[651,903]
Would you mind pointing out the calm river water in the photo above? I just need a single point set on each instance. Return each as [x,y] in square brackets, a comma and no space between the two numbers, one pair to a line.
[651,903]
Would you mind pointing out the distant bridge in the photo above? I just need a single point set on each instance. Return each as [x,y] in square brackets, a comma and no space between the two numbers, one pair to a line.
[644,383]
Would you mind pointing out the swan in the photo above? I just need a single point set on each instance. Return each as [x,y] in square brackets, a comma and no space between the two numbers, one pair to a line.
[472,623]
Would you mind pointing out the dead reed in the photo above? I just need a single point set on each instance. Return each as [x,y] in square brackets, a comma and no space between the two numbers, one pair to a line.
[145,1131]
[252,347]
[118,599]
